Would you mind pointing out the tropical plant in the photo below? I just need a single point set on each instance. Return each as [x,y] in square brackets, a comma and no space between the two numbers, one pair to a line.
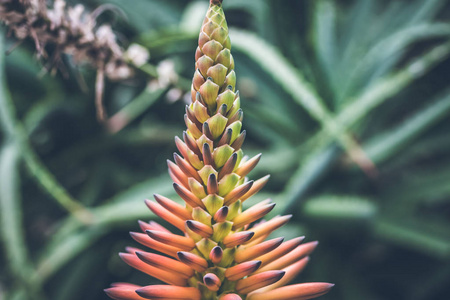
[347,99]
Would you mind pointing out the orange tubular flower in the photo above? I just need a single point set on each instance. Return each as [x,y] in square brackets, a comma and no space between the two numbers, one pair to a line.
[220,255]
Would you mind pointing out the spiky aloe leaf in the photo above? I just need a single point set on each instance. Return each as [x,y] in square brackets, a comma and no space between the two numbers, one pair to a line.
[222,253]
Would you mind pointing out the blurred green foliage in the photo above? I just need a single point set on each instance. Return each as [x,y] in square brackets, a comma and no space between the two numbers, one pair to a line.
[347,100]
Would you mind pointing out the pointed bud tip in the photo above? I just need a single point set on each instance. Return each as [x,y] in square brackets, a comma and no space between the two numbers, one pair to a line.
[140,255]
[281,274]
[141,292]
[131,249]
[217,250]
[149,203]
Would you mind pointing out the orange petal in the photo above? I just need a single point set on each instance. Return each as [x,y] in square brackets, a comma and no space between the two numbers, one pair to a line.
[186,167]
[123,292]
[199,228]
[212,186]
[188,196]
[262,203]
[207,155]
[216,255]
[175,178]
[254,282]
[257,186]
[293,256]
[190,141]
[245,254]
[195,262]
[144,225]
[301,291]
[165,263]
[221,215]
[270,226]
[241,270]
[132,250]
[257,241]
[228,166]
[251,215]
[174,240]
[181,146]
[169,292]
[168,277]
[212,282]
[246,167]
[147,241]
[226,137]
[165,214]
[237,238]
[238,192]
[152,225]
[284,248]
[177,175]
[237,144]
[291,272]
[177,209]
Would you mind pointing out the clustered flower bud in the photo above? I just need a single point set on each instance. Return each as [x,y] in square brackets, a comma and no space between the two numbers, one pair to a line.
[222,252]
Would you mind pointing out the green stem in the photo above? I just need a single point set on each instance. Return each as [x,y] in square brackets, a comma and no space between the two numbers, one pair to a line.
[149,69]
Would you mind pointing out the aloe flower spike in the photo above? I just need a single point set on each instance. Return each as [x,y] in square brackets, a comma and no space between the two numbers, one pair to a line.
[221,252]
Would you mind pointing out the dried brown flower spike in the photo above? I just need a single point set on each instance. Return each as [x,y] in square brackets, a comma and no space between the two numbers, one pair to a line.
[69,30]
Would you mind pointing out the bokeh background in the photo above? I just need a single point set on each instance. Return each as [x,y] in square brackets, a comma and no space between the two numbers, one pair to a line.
[348,100]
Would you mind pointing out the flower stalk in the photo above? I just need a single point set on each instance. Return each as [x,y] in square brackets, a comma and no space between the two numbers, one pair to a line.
[221,253]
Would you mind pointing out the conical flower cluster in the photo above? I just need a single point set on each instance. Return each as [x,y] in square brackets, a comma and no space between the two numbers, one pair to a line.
[223,252]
